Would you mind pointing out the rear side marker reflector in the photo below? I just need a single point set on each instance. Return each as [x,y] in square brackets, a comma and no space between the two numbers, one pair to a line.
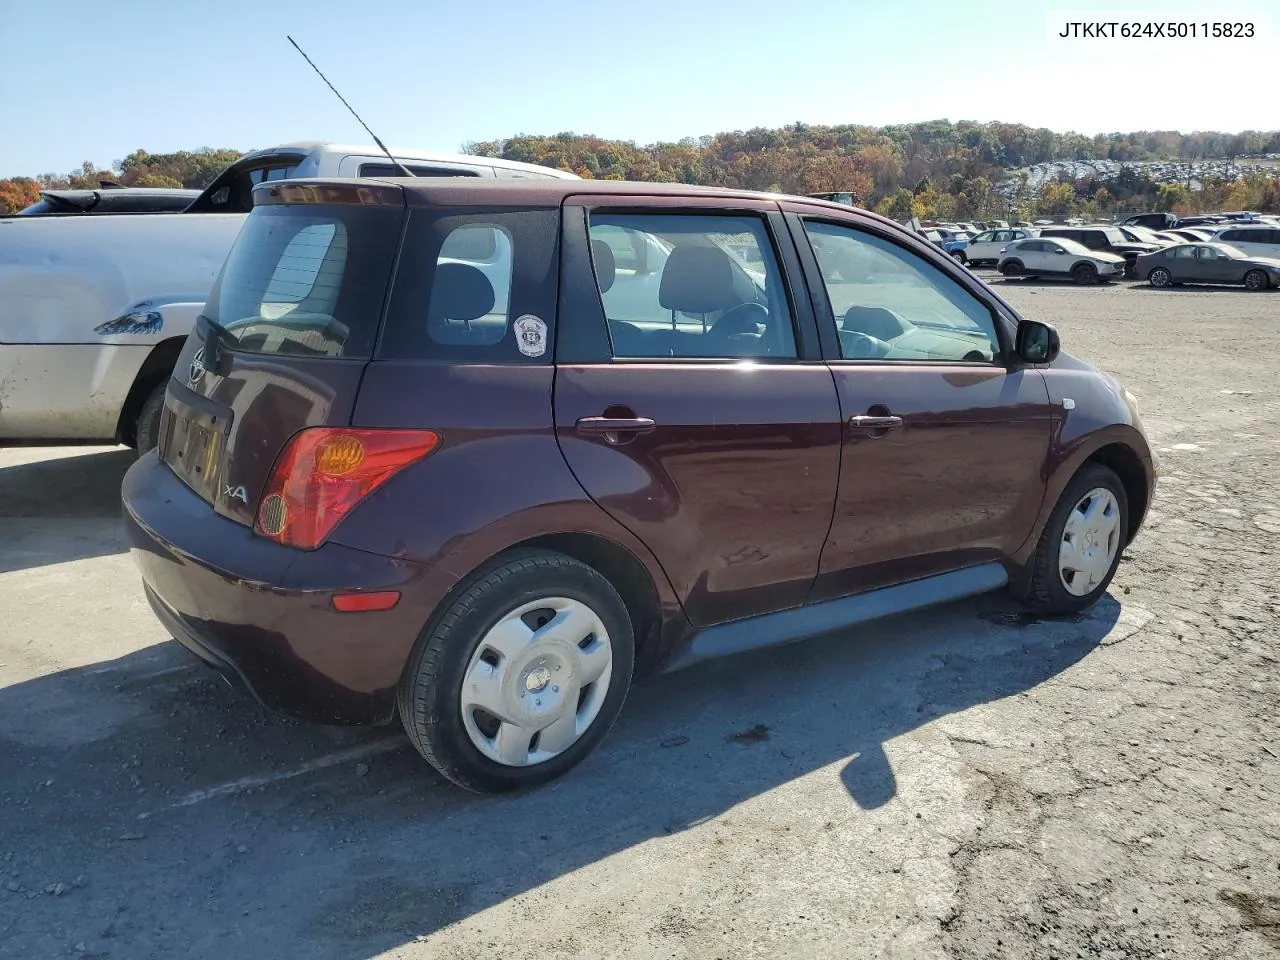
[365,602]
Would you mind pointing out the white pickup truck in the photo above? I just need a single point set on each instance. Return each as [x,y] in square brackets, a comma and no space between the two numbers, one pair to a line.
[94,309]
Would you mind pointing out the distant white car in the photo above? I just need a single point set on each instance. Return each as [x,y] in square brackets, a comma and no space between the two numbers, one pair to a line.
[1059,257]
[1254,240]
[985,247]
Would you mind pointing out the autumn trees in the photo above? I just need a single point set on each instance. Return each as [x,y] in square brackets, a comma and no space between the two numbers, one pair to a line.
[933,170]
[192,169]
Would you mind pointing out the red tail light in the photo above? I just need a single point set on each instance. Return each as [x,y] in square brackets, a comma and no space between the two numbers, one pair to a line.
[325,471]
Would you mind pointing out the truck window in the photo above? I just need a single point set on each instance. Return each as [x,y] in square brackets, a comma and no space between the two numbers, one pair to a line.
[417,169]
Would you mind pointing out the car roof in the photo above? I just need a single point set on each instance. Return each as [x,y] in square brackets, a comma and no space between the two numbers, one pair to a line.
[310,147]
[465,191]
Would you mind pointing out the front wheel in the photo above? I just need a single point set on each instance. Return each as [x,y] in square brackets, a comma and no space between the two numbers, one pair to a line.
[1011,268]
[1084,274]
[1081,544]
[1160,277]
[522,676]
[1255,280]
[960,255]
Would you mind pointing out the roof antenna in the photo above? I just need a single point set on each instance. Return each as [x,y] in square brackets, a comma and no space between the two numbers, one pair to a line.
[396,163]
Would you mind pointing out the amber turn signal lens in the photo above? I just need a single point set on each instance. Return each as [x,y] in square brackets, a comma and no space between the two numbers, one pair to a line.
[339,455]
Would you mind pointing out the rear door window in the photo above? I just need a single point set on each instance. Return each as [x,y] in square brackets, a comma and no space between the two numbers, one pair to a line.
[701,286]
[307,279]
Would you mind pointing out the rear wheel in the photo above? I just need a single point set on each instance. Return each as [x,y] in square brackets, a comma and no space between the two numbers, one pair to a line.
[1081,544]
[522,676]
[1084,273]
[1255,280]
[1160,277]
[1011,268]
[147,428]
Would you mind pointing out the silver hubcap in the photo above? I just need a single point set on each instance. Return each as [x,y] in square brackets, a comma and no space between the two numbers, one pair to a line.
[1090,542]
[537,681]
[1159,278]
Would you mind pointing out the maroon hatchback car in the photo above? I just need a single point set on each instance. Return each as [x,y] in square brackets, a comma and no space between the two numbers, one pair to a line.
[473,455]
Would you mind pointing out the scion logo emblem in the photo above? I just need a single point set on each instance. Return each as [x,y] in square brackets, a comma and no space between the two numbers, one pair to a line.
[197,368]
[236,493]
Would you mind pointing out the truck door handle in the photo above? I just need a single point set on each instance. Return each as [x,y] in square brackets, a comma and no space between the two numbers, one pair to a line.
[616,429]
[877,426]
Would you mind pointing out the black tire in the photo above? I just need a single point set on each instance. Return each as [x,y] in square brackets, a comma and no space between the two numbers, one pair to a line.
[1045,590]
[429,696]
[1011,268]
[1256,280]
[1084,274]
[1160,277]
[960,255]
[146,433]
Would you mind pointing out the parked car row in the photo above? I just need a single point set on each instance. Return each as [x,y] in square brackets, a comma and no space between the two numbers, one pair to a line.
[1166,266]
[1236,251]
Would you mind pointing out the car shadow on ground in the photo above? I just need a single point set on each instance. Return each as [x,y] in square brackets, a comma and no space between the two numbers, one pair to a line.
[182,819]
[62,508]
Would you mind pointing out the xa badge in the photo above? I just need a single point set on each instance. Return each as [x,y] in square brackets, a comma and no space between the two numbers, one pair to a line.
[197,369]
[237,493]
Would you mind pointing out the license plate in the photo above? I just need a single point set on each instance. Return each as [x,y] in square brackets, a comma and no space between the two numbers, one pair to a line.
[194,445]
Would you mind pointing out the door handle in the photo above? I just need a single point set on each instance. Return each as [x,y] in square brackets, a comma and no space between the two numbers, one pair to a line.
[616,429]
[878,426]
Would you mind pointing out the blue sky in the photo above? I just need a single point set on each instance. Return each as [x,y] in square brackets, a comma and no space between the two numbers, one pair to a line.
[81,82]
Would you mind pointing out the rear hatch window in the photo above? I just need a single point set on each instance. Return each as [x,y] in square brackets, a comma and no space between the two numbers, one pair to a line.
[306,280]
[301,299]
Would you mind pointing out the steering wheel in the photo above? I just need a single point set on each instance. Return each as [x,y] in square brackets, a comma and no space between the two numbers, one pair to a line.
[863,346]
[739,329]
[744,318]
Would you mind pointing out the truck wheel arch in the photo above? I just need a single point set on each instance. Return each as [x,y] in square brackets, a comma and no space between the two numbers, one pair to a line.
[155,370]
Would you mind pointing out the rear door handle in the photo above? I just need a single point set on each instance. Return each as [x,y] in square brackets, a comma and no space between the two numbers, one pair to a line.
[865,422]
[616,429]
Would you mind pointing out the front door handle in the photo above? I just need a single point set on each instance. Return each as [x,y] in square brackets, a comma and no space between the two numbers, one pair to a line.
[877,426]
[616,429]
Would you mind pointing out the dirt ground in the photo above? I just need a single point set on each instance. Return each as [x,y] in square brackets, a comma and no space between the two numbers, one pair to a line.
[966,783]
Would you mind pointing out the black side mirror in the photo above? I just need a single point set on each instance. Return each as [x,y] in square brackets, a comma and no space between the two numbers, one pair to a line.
[1037,342]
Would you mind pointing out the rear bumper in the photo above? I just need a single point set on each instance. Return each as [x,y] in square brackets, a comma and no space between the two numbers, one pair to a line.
[261,613]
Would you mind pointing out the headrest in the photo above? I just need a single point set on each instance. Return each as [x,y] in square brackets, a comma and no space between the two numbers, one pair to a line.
[460,292]
[699,280]
[606,266]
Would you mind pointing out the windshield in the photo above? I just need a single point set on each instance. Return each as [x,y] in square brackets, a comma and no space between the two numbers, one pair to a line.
[307,280]
[1142,233]
[45,206]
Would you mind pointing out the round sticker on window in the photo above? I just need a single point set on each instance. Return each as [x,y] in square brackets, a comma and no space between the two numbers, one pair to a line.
[531,335]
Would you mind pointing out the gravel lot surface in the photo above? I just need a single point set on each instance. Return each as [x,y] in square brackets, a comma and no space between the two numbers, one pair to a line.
[967,783]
